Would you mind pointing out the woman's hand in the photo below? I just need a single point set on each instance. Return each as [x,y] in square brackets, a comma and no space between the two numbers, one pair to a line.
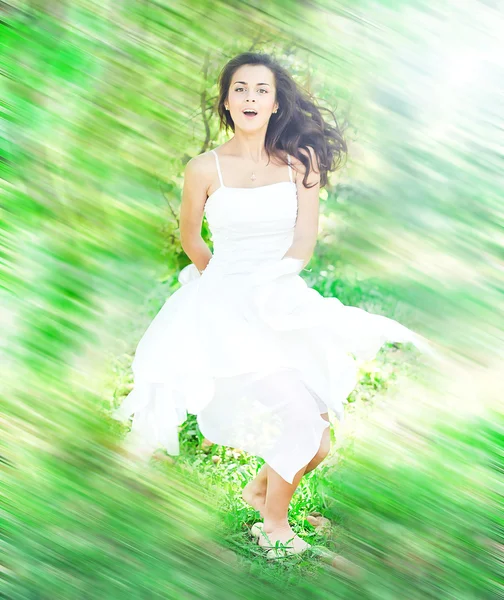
[188,274]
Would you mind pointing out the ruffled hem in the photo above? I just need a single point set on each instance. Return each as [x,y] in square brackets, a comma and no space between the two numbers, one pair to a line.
[287,436]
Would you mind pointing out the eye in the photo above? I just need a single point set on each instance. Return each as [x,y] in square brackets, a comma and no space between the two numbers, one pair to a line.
[263,90]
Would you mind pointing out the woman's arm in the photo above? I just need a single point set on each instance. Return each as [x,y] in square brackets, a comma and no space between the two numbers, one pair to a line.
[194,196]
[306,229]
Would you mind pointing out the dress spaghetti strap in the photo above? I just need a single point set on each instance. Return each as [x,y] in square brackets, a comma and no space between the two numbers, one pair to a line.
[290,168]
[218,168]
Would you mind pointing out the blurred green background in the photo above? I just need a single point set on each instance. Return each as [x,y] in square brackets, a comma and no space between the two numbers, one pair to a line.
[102,106]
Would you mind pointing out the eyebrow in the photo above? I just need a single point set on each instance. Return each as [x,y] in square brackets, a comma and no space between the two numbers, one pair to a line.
[246,83]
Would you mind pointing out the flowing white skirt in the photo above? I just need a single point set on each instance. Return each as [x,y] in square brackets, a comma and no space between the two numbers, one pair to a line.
[257,356]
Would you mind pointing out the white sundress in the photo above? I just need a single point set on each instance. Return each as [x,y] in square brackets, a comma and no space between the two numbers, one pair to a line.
[247,346]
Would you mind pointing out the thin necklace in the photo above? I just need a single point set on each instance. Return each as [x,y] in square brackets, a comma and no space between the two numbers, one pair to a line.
[253,176]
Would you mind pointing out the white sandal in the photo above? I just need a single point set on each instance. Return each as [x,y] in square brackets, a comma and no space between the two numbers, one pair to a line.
[279,549]
[256,529]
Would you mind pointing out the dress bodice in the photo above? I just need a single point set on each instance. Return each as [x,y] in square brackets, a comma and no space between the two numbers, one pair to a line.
[250,226]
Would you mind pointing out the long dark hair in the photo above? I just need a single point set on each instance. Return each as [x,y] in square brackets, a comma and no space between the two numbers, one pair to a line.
[298,122]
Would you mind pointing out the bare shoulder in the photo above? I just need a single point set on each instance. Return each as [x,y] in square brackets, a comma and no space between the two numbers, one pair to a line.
[311,154]
[201,164]
[200,169]
[314,169]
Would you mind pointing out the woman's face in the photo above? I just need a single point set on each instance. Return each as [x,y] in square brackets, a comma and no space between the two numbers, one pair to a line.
[252,87]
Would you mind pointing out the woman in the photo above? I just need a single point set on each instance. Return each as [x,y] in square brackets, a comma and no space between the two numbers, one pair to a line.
[244,344]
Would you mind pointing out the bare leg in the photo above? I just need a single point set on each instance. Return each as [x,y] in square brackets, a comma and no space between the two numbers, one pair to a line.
[278,496]
[254,493]
[276,522]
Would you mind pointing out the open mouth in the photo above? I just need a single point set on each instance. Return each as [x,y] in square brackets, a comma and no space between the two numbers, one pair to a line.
[250,113]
